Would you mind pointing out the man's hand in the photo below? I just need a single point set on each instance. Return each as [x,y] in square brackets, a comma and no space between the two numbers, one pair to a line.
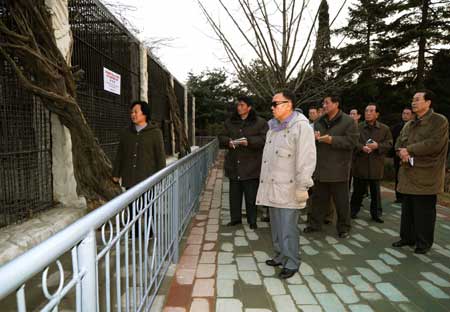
[327,139]
[366,149]
[403,154]
[373,146]
[243,142]
[231,145]
[301,196]
[317,135]
[116,179]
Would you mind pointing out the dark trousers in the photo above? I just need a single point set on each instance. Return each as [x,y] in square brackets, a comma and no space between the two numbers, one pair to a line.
[418,219]
[398,196]
[249,188]
[359,189]
[321,197]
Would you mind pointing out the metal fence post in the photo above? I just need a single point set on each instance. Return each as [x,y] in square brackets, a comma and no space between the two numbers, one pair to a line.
[87,254]
[176,215]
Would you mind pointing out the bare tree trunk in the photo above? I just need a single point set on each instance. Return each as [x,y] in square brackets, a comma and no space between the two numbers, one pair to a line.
[28,44]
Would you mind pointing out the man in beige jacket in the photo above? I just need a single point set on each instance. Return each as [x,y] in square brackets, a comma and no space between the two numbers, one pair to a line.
[289,159]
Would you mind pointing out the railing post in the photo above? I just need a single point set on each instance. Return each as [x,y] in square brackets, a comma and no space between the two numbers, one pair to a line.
[87,254]
[176,215]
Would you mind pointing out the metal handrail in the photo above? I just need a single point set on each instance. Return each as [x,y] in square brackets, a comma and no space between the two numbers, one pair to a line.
[18,271]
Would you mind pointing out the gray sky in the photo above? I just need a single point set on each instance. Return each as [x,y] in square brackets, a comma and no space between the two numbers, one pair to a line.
[194,47]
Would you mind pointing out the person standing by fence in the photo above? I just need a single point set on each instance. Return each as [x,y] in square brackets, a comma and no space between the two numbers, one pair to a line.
[141,148]
[244,136]
[289,160]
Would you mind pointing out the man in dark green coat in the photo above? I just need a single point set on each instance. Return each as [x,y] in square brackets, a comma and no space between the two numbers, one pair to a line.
[336,136]
[422,147]
[243,159]
[141,148]
[375,141]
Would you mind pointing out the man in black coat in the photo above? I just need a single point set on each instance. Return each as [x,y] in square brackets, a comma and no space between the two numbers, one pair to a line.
[407,115]
[244,137]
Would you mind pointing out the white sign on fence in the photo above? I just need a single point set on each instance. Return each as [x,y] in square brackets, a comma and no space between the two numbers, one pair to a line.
[111,81]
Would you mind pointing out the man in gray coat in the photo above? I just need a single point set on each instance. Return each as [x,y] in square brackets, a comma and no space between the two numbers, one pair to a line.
[289,159]
[336,136]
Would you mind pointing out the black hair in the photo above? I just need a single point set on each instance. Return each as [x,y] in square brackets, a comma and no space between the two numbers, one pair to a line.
[377,108]
[289,95]
[334,98]
[145,108]
[428,95]
[247,100]
[408,108]
[313,107]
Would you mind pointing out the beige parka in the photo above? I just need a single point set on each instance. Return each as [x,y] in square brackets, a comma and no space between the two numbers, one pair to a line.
[289,160]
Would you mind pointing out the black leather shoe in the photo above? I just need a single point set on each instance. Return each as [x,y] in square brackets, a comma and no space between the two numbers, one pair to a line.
[378,220]
[353,216]
[344,235]
[253,226]
[327,222]
[309,229]
[287,273]
[401,243]
[272,262]
[421,251]
[232,223]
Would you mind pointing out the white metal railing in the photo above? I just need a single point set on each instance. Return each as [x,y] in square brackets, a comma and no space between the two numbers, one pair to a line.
[116,257]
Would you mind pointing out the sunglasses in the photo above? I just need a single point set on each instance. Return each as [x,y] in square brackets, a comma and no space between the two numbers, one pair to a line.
[275,103]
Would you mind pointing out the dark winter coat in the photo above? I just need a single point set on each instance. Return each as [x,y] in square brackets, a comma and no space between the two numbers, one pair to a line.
[244,162]
[426,140]
[334,160]
[140,154]
[371,166]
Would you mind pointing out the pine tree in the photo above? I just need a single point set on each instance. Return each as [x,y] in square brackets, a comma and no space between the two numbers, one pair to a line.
[419,31]
[322,50]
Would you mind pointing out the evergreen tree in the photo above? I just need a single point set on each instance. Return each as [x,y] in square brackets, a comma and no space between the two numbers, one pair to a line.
[322,51]
[418,31]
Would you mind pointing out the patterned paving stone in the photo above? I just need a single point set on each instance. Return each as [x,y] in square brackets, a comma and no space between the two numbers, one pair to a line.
[315,285]
[227,305]
[227,247]
[274,286]
[310,308]
[240,241]
[345,293]
[332,275]
[266,270]
[309,250]
[199,305]
[250,277]
[261,256]
[359,284]
[225,288]
[330,303]
[389,259]
[246,264]
[205,271]
[227,271]
[284,303]
[306,269]
[225,258]
[360,308]
[391,292]
[203,288]
[369,275]
[433,291]
[379,266]
[302,294]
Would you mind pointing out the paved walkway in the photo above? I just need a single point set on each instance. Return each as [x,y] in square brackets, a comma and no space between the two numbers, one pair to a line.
[222,268]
